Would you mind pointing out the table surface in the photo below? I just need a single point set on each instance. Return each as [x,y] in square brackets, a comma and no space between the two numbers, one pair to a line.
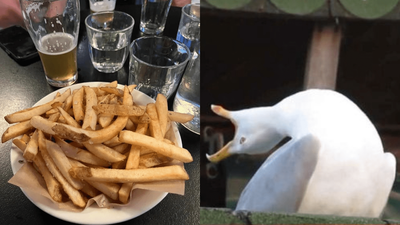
[23,86]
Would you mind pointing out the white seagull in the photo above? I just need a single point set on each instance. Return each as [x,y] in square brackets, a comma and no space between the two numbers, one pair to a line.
[334,163]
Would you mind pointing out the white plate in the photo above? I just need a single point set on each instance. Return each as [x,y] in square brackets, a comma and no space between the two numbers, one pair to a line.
[144,200]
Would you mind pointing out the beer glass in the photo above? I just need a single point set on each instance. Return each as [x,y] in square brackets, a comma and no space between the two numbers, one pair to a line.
[54,28]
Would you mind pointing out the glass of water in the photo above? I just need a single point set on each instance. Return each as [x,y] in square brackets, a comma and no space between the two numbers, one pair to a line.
[156,64]
[189,26]
[187,98]
[109,35]
[153,16]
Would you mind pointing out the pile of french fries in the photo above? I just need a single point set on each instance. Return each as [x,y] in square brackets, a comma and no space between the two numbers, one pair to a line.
[96,140]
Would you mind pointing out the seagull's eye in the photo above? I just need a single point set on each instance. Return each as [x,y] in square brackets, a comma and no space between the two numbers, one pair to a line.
[242,140]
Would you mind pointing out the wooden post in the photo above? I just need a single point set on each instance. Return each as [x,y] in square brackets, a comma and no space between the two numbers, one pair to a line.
[323,57]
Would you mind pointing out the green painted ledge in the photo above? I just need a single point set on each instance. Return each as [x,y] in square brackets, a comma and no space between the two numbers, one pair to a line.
[227,216]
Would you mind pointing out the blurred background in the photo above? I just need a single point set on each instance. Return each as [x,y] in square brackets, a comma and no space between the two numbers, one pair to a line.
[257,52]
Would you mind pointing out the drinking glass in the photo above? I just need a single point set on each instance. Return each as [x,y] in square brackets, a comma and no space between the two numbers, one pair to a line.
[54,28]
[109,34]
[101,5]
[189,26]
[156,64]
[187,98]
[154,15]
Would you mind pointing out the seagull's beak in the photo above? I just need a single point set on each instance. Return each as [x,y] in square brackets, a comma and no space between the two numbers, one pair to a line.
[221,154]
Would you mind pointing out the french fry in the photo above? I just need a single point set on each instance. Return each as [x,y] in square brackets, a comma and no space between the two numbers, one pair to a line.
[62,163]
[140,119]
[153,159]
[121,148]
[112,142]
[90,190]
[133,158]
[162,112]
[25,138]
[53,186]
[73,194]
[134,152]
[173,172]
[144,151]
[104,121]
[179,117]
[124,192]
[130,125]
[77,105]
[26,114]
[113,90]
[161,147]
[87,188]
[55,105]
[53,117]
[155,129]
[80,154]
[68,118]
[43,124]
[95,137]
[132,162]
[142,128]
[90,119]
[118,110]
[109,189]
[32,147]
[20,144]
[61,119]
[67,103]
[16,130]
[104,152]
[119,165]
[132,87]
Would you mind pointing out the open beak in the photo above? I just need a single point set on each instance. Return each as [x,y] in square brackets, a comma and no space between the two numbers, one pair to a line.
[221,154]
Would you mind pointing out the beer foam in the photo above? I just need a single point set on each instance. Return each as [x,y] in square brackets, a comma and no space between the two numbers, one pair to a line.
[56,43]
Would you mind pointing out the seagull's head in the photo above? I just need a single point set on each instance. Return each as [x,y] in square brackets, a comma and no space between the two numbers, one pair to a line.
[256,131]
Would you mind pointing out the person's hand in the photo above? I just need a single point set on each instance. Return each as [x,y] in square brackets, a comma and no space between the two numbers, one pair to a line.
[10,14]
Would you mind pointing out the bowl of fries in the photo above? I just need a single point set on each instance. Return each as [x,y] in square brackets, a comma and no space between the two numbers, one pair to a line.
[97,153]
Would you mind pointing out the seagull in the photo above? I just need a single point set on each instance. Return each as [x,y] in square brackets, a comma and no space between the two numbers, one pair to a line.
[333,164]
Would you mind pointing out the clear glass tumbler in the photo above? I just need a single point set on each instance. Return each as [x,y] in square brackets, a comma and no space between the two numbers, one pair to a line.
[189,26]
[153,16]
[109,35]
[187,98]
[156,64]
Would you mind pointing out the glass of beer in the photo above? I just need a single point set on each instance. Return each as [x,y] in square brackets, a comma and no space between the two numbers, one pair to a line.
[54,28]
